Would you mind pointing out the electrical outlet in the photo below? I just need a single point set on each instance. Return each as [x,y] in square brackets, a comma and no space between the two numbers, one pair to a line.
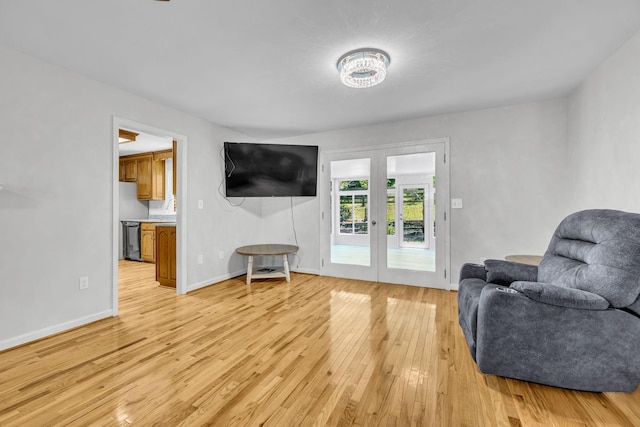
[221,255]
[200,259]
[456,203]
[83,283]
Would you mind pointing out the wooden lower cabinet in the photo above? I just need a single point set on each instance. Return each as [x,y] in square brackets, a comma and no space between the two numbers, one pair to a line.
[166,255]
[148,242]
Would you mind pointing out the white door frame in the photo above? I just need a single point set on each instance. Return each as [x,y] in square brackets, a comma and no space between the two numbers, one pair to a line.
[442,204]
[181,214]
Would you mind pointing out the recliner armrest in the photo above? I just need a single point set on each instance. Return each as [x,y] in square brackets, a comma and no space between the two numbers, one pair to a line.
[504,273]
[561,296]
[473,271]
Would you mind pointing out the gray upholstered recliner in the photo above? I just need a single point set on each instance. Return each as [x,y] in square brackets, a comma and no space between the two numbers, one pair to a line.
[573,321]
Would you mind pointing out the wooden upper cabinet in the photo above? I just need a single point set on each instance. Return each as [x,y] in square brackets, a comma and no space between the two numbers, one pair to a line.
[144,177]
[122,171]
[157,180]
[163,155]
[130,170]
[150,178]
[148,171]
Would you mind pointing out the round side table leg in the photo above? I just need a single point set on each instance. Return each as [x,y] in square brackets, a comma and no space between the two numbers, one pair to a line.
[285,263]
[249,269]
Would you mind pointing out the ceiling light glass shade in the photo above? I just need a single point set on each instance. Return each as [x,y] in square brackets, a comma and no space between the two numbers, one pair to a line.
[363,68]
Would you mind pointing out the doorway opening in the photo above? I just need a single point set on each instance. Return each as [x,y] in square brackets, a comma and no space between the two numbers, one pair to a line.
[156,197]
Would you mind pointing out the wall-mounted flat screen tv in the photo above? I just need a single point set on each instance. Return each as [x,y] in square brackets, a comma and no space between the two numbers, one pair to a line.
[270,170]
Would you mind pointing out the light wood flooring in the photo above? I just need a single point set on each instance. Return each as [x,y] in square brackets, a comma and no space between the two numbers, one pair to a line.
[318,351]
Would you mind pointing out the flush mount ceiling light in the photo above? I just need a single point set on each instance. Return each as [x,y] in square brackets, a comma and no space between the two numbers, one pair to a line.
[362,68]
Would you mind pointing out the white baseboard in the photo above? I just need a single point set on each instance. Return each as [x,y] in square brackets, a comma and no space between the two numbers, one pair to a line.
[214,280]
[453,287]
[51,330]
[306,271]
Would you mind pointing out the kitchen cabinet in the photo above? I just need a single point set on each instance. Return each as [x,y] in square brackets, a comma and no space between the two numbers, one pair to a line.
[128,170]
[157,180]
[150,178]
[163,155]
[166,255]
[148,242]
[144,177]
[147,172]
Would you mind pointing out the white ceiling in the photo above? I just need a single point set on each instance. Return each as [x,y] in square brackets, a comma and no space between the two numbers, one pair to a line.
[267,68]
[145,143]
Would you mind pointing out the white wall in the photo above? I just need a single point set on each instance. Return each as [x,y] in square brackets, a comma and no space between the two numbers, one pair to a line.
[507,164]
[604,134]
[56,207]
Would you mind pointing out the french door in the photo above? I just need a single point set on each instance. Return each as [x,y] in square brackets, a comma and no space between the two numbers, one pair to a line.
[383,214]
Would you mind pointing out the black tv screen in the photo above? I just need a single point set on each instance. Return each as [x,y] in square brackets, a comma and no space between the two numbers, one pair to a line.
[270,170]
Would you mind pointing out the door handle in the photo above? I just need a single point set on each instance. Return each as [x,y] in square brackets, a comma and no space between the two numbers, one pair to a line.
[373,222]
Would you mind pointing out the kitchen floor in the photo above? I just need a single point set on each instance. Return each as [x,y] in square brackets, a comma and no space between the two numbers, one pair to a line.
[134,274]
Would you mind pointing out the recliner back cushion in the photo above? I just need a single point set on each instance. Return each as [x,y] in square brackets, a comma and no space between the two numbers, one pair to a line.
[597,251]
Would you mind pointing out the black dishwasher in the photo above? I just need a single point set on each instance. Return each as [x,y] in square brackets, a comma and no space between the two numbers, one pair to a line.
[131,240]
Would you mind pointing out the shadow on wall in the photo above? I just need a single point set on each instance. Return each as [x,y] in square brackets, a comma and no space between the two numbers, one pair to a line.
[14,198]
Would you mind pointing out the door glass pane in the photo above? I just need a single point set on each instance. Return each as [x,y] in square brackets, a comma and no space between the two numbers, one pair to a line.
[413,209]
[391,214]
[410,208]
[346,214]
[360,208]
[350,197]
